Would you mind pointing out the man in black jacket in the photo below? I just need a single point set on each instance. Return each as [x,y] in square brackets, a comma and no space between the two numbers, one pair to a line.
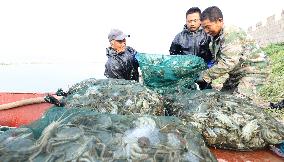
[121,63]
[192,40]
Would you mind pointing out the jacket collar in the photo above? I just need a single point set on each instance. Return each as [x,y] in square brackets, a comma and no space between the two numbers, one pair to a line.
[110,52]
[220,36]
[185,29]
[217,43]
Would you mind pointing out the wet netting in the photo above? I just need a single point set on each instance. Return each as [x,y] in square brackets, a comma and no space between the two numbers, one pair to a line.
[226,121]
[164,72]
[115,96]
[122,120]
[76,134]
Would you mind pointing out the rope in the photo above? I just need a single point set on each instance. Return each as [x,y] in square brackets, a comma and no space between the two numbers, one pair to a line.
[24,102]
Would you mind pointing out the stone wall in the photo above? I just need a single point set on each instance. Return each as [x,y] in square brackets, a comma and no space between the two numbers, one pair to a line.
[271,32]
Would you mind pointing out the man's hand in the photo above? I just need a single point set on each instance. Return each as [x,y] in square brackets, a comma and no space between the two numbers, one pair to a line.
[175,49]
[203,84]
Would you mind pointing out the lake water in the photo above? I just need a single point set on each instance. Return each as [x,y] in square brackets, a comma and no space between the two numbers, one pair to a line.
[46,77]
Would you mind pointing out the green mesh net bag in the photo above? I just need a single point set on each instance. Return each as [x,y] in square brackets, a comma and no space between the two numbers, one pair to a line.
[169,71]
[226,121]
[84,135]
[116,96]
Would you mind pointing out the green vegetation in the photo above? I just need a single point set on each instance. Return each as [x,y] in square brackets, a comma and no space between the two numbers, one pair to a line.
[274,90]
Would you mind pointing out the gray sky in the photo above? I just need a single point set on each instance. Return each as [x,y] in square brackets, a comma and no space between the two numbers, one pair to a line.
[69,30]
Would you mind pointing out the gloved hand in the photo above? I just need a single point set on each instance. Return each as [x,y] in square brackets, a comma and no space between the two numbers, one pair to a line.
[210,63]
[175,49]
[203,84]
[279,105]
[50,99]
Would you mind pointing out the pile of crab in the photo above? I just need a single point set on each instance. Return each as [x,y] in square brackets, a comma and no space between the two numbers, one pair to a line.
[119,120]
[226,121]
[84,135]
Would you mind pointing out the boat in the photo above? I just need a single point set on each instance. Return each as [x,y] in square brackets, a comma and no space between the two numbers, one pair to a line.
[25,115]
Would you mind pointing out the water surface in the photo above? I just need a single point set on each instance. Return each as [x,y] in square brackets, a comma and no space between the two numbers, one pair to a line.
[46,77]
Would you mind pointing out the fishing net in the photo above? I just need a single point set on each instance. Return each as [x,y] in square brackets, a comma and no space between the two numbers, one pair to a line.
[122,120]
[226,121]
[164,72]
[116,96]
[84,135]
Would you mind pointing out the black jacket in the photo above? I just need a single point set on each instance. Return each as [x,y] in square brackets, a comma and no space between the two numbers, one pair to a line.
[195,43]
[123,65]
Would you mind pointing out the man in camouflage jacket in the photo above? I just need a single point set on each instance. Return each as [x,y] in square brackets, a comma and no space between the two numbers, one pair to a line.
[235,54]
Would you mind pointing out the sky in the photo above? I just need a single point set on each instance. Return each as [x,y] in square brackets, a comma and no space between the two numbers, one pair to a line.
[76,31]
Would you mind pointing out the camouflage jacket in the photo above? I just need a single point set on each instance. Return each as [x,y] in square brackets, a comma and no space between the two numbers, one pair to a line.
[235,53]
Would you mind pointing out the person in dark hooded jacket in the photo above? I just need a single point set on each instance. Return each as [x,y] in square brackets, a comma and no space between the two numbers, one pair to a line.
[121,63]
[192,40]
